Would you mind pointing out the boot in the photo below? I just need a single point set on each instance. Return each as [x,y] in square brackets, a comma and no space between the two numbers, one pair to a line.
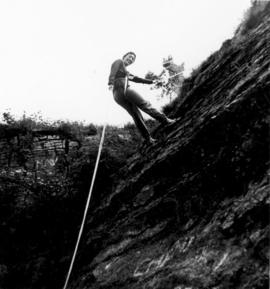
[170,121]
[150,141]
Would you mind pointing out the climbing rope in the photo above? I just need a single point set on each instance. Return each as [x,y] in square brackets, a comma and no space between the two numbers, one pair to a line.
[86,206]
[172,76]
[89,196]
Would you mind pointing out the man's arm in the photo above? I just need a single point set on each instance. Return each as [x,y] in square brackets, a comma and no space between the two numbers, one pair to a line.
[114,69]
[139,79]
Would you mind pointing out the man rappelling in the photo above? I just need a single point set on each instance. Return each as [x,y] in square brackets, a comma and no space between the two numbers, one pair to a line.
[129,99]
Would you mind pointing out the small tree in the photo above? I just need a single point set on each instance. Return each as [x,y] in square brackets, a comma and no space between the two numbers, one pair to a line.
[170,79]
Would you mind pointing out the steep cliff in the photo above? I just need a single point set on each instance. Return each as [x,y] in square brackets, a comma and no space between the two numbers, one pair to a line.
[192,210]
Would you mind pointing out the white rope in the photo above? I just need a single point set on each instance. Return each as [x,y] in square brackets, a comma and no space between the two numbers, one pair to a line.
[126,83]
[86,207]
[174,75]
[89,197]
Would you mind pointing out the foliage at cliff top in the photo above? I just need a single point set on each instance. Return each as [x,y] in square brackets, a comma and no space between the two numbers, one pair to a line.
[35,122]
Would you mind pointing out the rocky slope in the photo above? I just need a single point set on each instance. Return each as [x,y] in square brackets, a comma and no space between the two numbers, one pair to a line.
[192,210]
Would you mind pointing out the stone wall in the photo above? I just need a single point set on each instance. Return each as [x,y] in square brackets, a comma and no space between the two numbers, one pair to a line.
[29,150]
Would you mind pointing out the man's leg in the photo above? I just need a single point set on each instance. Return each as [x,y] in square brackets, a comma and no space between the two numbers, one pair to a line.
[139,121]
[145,106]
[134,112]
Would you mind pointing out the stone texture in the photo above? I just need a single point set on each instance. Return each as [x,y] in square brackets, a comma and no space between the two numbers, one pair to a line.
[191,211]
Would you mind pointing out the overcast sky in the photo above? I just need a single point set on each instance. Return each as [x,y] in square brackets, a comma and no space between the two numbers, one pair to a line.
[55,55]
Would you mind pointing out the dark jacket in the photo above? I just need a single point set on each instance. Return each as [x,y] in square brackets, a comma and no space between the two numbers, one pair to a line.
[119,73]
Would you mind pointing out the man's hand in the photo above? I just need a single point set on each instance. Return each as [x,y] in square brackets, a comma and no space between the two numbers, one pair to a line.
[110,87]
[157,82]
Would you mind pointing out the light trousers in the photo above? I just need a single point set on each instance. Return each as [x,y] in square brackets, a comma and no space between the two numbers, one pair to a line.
[133,102]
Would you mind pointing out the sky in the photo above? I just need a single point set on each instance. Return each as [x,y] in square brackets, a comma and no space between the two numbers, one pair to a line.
[56,55]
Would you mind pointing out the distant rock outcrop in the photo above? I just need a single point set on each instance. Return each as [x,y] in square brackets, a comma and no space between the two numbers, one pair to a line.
[29,149]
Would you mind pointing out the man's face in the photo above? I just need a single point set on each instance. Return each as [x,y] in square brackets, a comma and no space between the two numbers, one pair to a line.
[129,59]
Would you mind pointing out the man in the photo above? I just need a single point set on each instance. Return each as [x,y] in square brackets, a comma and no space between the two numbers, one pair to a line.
[129,99]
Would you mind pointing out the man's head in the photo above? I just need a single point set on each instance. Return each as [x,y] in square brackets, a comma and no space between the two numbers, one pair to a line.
[129,58]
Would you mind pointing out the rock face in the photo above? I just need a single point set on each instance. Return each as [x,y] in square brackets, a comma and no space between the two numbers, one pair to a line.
[192,210]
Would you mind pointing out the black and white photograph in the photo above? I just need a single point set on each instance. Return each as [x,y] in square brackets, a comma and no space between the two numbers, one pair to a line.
[134,144]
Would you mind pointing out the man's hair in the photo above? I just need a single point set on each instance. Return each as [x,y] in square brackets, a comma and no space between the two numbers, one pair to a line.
[130,52]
